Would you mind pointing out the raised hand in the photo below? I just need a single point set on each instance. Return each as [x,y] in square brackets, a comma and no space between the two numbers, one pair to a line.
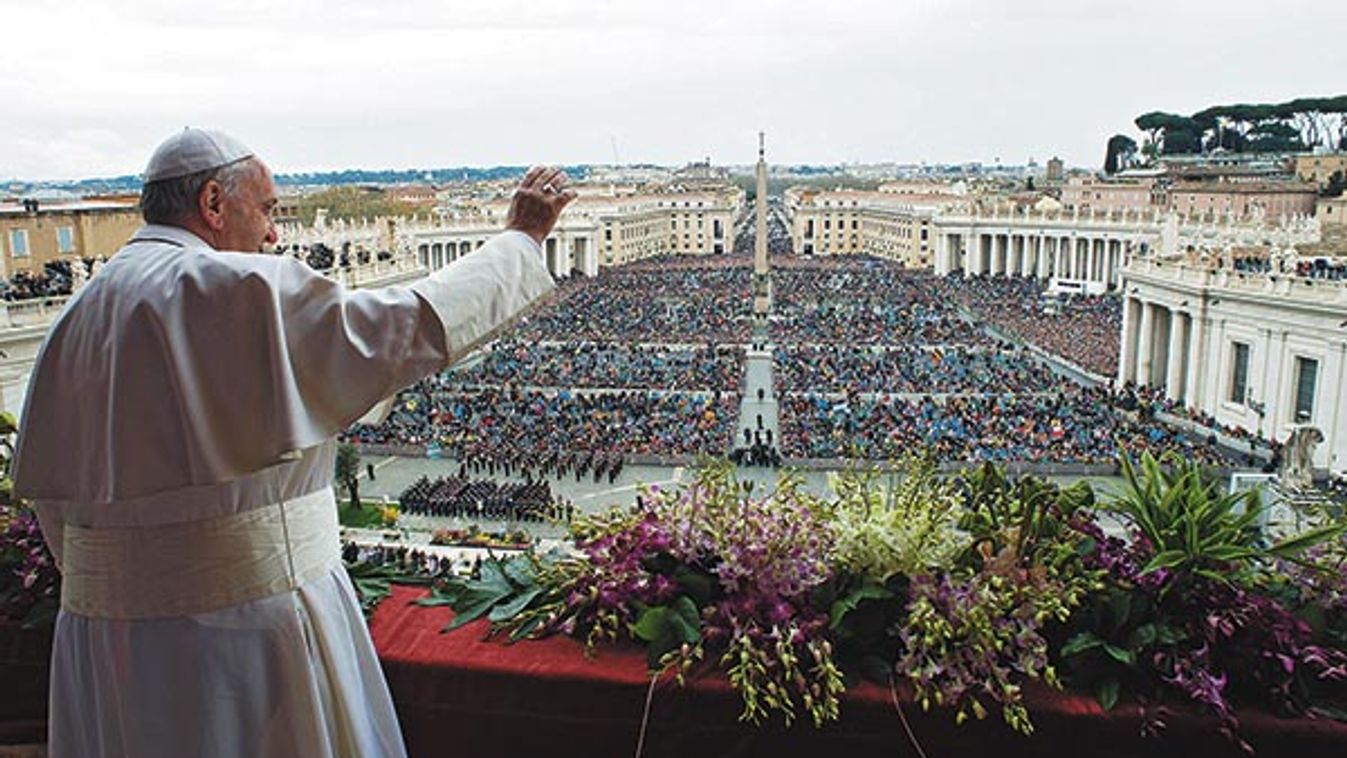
[539,201]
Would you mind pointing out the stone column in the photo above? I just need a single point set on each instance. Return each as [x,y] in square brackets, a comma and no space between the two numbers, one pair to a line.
[1041,256]
[1145,344]
[1178,353]
[1127,360]
[942,267]
[1196,360]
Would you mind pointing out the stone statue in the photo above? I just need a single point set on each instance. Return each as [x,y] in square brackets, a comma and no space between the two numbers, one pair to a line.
[1298,456]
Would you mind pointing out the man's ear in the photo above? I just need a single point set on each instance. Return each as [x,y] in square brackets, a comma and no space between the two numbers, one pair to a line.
[211,204]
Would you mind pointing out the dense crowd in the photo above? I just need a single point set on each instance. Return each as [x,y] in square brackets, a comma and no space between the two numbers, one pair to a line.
[458,496]
[1073,426]
[1083,329]
[863,301]
[576,387]
[845,368]
[410,561]
[685,305]
[509,424]
[54,280]
[607,365]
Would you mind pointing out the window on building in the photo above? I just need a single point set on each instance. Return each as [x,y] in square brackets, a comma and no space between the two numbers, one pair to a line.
[1239,373]
[65,239]
[18,243]
[1307,377]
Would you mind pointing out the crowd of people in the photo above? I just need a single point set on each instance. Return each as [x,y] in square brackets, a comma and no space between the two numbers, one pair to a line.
[410,561]
[958,370]
[870,360]
[458,496]
[54,280]
[607,365]
[1075,425]
[863,301]
[682,305]
[1083,329]
[492,423]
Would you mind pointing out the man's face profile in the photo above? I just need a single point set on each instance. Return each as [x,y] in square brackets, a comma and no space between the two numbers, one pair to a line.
[248,225]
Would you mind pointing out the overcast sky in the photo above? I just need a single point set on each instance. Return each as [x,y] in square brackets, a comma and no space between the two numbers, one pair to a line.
[87,88]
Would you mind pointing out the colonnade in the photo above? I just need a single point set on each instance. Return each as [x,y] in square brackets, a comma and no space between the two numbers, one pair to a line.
[1161,347]
[1092,260]
[572,254]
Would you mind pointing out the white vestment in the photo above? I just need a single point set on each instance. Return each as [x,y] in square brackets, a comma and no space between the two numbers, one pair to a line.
[184,389]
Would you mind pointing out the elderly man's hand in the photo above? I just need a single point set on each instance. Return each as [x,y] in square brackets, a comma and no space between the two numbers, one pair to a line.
[538,202]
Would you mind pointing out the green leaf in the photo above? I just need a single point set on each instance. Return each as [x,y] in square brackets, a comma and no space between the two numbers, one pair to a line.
[521,571]
[1305,540]
[507,611]
[1121,655]
[493,577]
[1143,636]
[687,619]
[1228,553]
[849,603]
[697,584]
[1106,692]
[525,629]
[1165,559]
[475,605]
[1080,643]
[652,624]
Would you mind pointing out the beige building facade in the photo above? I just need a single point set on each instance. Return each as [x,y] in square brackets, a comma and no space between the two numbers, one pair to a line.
[1319,168]
[1244,199]
[1332,211]
[32,235]
[1090,194]
[893,223]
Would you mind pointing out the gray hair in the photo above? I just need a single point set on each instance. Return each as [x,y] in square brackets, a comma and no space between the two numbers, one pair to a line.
[171,201]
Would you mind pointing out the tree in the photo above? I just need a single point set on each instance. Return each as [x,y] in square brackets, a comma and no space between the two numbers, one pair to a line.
[1275,137]
[1121,150]
[348,471]
[1336,184]
[1181,142]
[1153,124]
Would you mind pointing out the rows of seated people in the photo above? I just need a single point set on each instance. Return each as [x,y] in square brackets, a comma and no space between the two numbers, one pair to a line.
[451,497]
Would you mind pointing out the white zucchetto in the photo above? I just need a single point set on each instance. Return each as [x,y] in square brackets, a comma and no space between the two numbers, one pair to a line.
[194,150]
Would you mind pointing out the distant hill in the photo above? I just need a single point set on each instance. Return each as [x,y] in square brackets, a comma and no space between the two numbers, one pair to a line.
[131,183]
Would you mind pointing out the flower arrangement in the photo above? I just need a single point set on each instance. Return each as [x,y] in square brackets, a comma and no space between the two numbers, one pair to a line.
[475,537]
[30,589]
[965,586]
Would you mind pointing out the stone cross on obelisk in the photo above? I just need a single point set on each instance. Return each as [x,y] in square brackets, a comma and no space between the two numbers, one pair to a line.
[761,279]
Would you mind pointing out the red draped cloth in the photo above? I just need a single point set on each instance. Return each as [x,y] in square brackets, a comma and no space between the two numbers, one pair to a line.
[459,695]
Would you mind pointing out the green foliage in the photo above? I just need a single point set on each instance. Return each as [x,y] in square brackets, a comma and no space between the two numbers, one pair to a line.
[1194,528]
[900,526]
[1293,126]
[1119,154]
[369,516]
[351,202]
[348,472]
[1337,183]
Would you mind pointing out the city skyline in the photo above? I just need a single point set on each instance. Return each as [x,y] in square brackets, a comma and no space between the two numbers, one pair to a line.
[319,86]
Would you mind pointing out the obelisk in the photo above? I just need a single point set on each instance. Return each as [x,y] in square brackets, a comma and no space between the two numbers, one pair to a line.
[761,279]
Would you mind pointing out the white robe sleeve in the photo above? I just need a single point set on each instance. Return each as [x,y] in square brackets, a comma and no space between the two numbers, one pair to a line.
[478,295]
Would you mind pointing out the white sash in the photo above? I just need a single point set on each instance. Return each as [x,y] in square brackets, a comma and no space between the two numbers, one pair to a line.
[199,566]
